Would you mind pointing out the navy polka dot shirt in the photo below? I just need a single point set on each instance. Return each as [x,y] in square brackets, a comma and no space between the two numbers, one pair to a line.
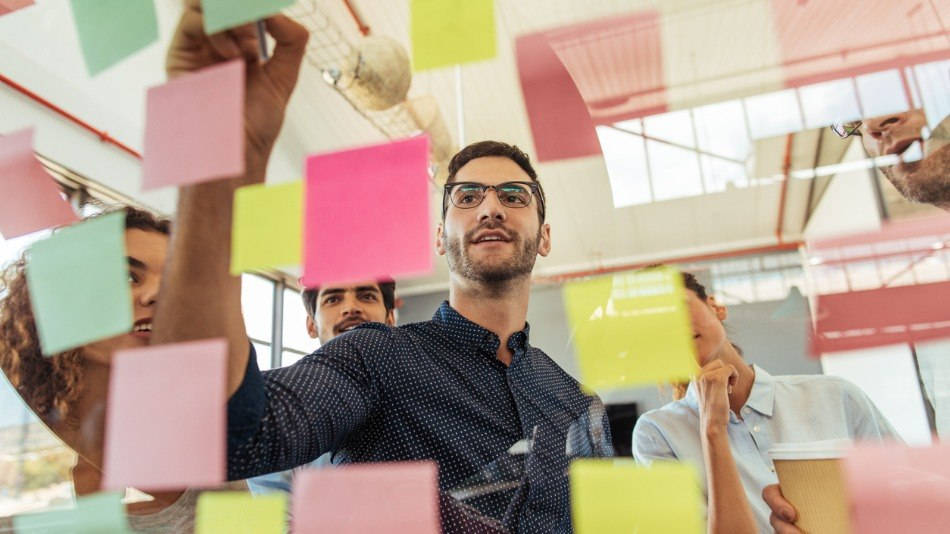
[431,390]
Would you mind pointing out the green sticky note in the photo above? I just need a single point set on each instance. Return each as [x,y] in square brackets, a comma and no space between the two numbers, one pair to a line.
[239,512]
[631,329]
[621,496]
[267,226]
[447,32]
[101,513]
[79,284]
[111,30]
[223,14]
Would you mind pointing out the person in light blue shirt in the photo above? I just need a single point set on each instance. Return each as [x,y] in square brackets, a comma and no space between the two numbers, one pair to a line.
[731,414]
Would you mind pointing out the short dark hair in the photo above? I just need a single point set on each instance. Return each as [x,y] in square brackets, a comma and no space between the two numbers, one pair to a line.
[386,287]
[143,220]
[484,149]
[690,282]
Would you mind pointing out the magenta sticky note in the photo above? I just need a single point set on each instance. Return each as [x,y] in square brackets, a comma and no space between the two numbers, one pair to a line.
[31,199]
[194,129]
[396,497]
[367,213]
[896,488]
[166,417]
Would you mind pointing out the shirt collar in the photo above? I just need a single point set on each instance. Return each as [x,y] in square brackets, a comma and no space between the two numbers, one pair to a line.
[761,398]
[465,332]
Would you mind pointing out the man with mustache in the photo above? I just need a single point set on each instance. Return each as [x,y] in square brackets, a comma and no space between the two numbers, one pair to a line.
[460,389]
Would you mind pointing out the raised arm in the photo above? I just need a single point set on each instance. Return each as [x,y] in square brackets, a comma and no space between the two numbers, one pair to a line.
[199,297]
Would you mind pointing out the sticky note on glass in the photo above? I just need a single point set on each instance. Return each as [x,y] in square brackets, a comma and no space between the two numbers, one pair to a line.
[79,284]
[223,14]
[111,30]
[165,422]
[194,128]
[631,329]
[100,513]
[395,497]
[31,199]
[267,226]
[896,488]
[9,6]
[367,213]
[621,496]
[448,32]
[230,512]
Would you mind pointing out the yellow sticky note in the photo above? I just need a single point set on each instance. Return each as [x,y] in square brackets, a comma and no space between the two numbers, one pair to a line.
[447,32]
[267,226]
[631,329]
[239,512]
[620,496]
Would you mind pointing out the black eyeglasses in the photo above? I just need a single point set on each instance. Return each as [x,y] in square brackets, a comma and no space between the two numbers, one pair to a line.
[466,195]
[847,129]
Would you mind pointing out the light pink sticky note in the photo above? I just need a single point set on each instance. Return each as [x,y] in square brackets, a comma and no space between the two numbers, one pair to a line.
[194,128]
[166,418]
[896,488]
[367,213]
[31,199]
[398,497]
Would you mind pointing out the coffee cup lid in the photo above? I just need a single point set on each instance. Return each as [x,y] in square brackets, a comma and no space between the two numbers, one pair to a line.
[810,450]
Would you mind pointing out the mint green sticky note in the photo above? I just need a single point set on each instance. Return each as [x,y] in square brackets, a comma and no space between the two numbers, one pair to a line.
[223,14]
[111,30]
[79,288]
[101,513]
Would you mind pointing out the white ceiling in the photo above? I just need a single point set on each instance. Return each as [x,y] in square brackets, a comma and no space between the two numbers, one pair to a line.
[38,48]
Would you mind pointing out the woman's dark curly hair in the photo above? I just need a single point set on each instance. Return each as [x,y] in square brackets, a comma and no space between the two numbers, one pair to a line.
[49,385]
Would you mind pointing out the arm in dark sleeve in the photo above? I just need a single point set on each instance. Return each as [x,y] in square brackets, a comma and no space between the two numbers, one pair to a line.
[287,417]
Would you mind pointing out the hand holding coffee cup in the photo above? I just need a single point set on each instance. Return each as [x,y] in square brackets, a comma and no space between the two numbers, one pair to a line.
[811,487]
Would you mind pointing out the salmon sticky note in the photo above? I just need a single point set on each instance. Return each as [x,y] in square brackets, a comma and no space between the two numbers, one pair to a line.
[9,6]
[631,329]
[30,200]
[79,284]
[367,213]
[100,513]
[621,496]
[267,226]
[194,129]
[447,32]
[228,512]
[393,497]
[165,422]
[111,30]
[896,488]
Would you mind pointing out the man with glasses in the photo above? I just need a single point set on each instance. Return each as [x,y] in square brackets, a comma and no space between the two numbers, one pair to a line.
[922,173]
[460,389]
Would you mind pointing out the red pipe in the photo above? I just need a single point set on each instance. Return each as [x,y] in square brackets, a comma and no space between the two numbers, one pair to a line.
[364,29]
[780,247]
[786,172]
[102,134]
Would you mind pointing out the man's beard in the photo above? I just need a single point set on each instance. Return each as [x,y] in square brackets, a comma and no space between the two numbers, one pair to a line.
[496,274]
[928,181]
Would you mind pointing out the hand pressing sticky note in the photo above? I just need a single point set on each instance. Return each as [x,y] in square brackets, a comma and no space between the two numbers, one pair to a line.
[165,421]
[111,30]
[79,284]
[394,497]
[609,496]
[631,329]
[367,214]
[448,32]
[101,513]
[30,200]
[237,512]
[194,129]
[220,15]
[267,226]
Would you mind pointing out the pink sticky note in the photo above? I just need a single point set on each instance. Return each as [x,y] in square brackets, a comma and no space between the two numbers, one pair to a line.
[7,6]
[194,128]
[896,488]
[165,424]
[367,213]
[401,497]
[31,199]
